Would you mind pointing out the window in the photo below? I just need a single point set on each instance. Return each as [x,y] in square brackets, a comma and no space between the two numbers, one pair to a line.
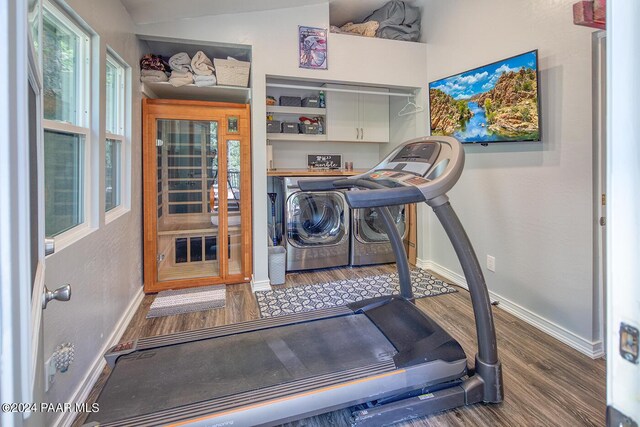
[65,62]
[115,132]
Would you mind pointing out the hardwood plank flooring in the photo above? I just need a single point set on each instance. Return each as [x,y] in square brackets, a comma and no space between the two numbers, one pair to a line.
[546,383]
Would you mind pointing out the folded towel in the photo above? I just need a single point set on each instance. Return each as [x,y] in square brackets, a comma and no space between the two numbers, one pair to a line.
[201,65]
[180,62]
[153,76]
[205,80]
[179,78]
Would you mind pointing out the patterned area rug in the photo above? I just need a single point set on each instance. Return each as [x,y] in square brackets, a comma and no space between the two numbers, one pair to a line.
[299,299]
[170,303]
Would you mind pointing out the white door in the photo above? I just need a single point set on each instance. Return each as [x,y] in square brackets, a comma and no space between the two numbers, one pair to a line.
[22,248]
[623,213]
[374,117]
[342,115]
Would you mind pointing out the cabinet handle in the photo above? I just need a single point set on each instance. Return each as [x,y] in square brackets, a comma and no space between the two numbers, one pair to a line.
[361,133]
[357,133]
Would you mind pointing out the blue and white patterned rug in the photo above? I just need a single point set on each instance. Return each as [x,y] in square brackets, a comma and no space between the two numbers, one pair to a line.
[298,299]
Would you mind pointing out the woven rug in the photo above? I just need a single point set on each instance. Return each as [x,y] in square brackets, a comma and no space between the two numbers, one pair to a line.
[170,303]
[299,299]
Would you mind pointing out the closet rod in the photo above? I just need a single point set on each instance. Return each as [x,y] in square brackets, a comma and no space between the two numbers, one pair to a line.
[332,89]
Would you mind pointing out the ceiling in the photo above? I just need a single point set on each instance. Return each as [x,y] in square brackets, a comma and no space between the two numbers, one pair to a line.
[148,11]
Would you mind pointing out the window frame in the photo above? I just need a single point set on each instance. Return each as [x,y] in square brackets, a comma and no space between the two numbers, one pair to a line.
[122,124]
[83,118]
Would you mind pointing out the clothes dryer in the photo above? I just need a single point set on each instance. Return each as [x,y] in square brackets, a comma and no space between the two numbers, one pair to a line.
[369,241]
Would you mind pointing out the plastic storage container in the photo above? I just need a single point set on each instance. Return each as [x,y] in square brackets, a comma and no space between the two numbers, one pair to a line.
[277,264]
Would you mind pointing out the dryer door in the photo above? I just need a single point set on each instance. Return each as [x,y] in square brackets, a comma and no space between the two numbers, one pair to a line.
[316,219]
[369,228]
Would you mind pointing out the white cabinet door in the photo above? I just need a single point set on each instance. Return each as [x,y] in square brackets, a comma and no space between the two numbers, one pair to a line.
[374,118]
[342,115]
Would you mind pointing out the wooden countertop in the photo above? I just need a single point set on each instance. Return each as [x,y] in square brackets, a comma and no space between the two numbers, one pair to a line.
[311,172]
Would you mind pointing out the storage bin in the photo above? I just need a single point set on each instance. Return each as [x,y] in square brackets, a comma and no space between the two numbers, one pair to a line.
[311,102]
[277,264]
[232,73]
[274,126]
[311,129]
[290,101]
[290,127]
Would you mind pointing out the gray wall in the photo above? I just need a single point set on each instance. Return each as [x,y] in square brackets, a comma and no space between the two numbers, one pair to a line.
[104,268]
[529,205]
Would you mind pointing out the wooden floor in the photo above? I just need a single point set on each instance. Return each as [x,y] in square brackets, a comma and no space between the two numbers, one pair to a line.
[546,383]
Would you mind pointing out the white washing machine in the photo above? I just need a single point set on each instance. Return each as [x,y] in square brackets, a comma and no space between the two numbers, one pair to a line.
[316,228]
[369,241]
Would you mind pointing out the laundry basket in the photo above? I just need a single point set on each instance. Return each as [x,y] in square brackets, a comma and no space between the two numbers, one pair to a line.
[277,261]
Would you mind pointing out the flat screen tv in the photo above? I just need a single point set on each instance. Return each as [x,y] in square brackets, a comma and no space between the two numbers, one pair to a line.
[495,103]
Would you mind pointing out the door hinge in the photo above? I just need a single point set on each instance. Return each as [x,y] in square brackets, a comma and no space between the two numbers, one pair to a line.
[159,143]
[604,199]
[616,418]
[629,342]
[603,221]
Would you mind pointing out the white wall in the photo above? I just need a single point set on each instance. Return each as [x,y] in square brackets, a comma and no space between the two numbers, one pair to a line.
[529,205]
[105,267]
[273,36]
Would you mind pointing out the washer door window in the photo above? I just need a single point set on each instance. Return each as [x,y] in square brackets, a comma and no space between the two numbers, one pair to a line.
[369,227]
[316,219]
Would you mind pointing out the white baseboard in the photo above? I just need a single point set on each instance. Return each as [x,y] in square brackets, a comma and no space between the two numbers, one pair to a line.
[593,349]
[260,285]
[82,392]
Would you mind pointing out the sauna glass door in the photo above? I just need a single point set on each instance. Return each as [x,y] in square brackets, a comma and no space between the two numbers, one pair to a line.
[197,194]
[188,238]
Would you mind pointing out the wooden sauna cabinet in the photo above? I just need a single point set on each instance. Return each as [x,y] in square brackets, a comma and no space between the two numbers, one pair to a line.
[197,194]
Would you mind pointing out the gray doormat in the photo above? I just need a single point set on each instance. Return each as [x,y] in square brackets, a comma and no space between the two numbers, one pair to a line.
[170,303]
[298,299]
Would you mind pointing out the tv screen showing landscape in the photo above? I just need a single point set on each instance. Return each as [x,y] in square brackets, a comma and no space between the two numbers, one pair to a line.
[494,103]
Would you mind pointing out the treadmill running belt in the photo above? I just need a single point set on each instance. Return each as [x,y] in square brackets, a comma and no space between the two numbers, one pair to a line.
[167,377]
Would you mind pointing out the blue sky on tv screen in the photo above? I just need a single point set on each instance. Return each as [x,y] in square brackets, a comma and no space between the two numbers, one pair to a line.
[483,79]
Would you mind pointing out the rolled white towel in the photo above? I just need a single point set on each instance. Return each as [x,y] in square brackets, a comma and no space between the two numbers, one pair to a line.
[153,76]
[204,80]
[180,62]
[201,64]
[179,78]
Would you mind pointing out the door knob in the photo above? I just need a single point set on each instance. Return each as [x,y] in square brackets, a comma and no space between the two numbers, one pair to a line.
[63,293]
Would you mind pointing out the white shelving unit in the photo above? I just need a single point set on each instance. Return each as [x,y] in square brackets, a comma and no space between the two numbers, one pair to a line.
[295,137]
[238,95]
[302,111]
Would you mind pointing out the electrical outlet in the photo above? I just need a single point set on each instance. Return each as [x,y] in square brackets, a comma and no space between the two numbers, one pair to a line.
[491,263]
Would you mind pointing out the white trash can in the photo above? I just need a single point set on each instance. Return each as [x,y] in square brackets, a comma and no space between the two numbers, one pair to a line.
[277,264]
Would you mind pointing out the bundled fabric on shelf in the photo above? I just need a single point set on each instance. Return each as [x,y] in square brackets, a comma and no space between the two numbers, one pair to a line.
[398,21]
[154,62]
[153,76]
[180,78]
[180,62]
[204,80]
[201,64]
[367,29]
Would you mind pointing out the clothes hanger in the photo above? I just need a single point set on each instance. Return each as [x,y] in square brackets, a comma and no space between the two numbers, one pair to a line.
[410,108]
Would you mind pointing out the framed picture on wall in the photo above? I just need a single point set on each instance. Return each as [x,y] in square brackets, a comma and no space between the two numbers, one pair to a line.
[312,47]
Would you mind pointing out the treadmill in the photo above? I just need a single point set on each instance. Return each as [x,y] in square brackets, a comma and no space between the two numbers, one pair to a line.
[383,354]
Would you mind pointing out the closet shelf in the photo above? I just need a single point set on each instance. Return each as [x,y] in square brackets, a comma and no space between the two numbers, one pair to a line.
[295,137]
[164,90]
[308,111]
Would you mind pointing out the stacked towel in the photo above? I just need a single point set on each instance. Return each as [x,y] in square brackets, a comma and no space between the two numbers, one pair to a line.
[180,78]
[204,80]
[153,62]
[153,76]
[201,64]
[180,62]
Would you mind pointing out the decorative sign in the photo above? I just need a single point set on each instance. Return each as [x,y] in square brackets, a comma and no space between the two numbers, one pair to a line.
[312,47]
[324,161]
